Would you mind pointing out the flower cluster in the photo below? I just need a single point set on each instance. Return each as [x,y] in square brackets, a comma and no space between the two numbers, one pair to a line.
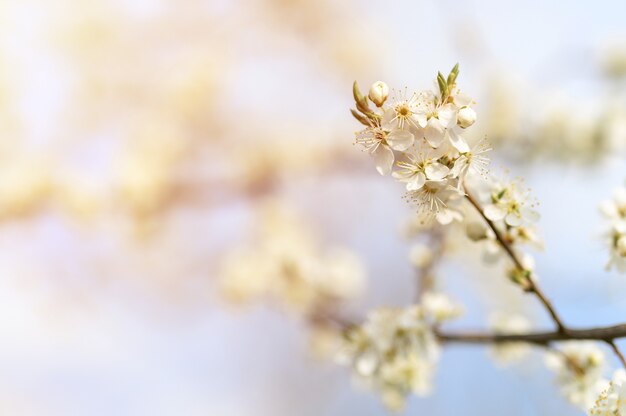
[423,133]
[287,265]
[612,400]
[395,351]
[578,366]
[509,206]
[615,211]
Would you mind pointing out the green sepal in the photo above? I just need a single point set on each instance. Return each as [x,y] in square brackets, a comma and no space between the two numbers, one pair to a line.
[360,118]
[360,100]
[443,86]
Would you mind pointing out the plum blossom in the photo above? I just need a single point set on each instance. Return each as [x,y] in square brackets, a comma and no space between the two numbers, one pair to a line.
[612,400]
[578,367]
[614,211]
[396,350]
[511,204]
[380,143]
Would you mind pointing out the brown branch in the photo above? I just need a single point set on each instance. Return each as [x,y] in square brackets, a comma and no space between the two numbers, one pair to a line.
[607,334]
[532,285]
[617,352]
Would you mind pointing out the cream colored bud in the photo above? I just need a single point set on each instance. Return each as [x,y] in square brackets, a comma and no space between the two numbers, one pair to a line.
[476,231]
[379,91]
[465,117]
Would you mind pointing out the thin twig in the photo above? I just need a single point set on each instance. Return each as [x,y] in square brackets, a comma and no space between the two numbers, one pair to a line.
[617,352]
[532,285]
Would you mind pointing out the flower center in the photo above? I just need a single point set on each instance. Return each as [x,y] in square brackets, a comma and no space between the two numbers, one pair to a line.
[403,110]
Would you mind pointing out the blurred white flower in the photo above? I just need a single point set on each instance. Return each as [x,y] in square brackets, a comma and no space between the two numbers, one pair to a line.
[615,211]
[578,366]
[509,352]
[286,264]
[396,349]
[439,307]
[612,400]
[421,256]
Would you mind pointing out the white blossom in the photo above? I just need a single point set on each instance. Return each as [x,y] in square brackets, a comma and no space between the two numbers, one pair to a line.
[286,264]
[439,307]
[578,366]
[379,142]
[403,113]
[612,400]
[417,169]
[472,160]
[614,211]
[395,350]
[421,255]
[508,352]
[510,203]
[437,199]
[435,118]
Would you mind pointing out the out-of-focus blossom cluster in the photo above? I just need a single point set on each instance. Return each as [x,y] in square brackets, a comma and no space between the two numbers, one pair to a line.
[287,264]
[395,351]
[423,133]
[578,368]
[612,400]
[528,124]
[614,211]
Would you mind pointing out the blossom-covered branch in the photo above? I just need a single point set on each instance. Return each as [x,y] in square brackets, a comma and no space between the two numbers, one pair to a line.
[420,140]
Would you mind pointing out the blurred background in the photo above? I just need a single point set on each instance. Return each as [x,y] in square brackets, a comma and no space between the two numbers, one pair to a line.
[141,141]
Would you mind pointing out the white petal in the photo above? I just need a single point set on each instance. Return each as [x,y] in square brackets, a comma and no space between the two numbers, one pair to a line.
[400,139]
[446,216]
[388,116]
[383,158]
[434,133]
[457,141]
[530,214]
[417,182]
[447,115]
[421,119]
[436,171]
[513,219]
[608,209]
[462,100]
[494,212]
[459,165]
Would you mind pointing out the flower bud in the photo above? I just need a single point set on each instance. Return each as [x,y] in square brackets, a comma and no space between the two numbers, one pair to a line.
[465,117]
[476,231]
[379,91]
